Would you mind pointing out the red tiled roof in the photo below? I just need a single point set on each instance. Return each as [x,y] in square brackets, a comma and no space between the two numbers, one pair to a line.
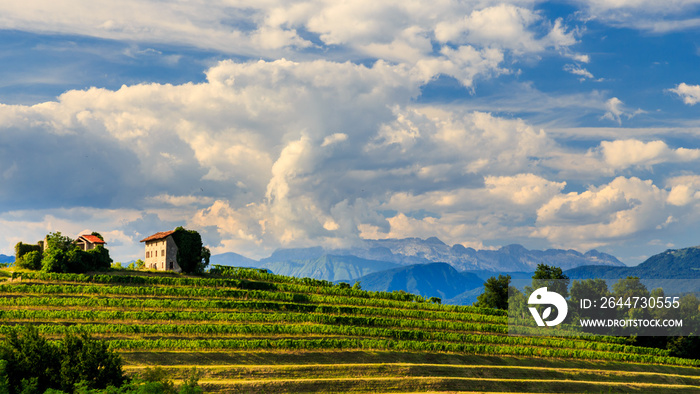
[157,236]
[92,238]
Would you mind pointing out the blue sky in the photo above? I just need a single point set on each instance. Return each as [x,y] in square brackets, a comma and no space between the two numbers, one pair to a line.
[566,124]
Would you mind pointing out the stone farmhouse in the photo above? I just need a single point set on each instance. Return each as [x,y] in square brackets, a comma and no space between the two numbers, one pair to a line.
[161,252]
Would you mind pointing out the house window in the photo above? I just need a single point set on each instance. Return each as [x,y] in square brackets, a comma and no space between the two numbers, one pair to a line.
[162,252]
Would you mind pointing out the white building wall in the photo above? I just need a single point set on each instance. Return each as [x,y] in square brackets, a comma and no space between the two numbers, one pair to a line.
[162,255]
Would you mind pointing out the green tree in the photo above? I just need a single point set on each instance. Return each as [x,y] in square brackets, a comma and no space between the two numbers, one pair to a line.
[30,357]
[30,260]
[591,290]
[191,384]
[517,306]
[23,259]
[630,287]
[495,293]
[97,259]
[4,379]
[76,261]
[192,256]
[54,260]
[58,241]
[34,365]
[553,278]
[64,255]
[686,347]
[90,361]
[690,306]
[156,381]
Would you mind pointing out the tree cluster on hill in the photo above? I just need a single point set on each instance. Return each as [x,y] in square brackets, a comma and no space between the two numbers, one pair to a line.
[62,254]
[30,364]
[499,294]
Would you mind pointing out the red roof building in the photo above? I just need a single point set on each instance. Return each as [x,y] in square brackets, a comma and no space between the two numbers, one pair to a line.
[158,236]
[88,241]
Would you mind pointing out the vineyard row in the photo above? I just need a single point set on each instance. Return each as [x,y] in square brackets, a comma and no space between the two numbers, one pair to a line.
[323,329]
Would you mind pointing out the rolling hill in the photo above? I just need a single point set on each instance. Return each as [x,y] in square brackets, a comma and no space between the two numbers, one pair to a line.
[681,266]
[232,259]
[671,264]
[428,280]
[254,332]
[677,270]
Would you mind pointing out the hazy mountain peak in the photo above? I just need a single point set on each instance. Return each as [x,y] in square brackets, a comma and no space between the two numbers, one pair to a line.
[434,240]
[513,248]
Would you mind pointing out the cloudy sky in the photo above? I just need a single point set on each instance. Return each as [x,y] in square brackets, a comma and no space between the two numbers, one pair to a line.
[265,124]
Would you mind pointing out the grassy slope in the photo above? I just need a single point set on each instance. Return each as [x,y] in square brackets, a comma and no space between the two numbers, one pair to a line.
[380,371]
[376,368]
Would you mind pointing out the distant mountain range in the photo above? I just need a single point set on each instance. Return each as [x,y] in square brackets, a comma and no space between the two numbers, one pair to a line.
[6,259]
[306,265]
[377,255]
[676,271]
[427,267]
[508,258]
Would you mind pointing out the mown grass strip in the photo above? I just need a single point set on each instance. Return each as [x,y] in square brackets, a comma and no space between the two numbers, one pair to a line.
[326,371]
[333,357]
[402,384]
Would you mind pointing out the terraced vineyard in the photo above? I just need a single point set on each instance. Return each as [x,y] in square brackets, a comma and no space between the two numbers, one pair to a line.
[250,331]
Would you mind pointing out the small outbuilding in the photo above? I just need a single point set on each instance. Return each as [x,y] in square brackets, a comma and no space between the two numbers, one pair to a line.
[89,242]
[161,252]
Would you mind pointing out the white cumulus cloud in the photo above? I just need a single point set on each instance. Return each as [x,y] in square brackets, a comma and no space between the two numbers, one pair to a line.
[619,210]
[689,93]
[626,153]
[616,110]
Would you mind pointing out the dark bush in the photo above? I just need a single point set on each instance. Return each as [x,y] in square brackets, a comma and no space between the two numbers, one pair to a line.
[30,260]
[32,364]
